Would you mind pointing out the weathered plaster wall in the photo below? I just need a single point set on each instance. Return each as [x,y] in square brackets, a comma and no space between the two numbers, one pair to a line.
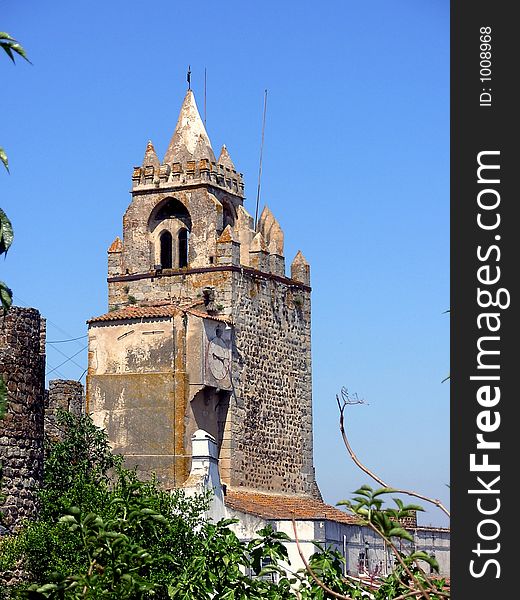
[136,390]
[22,366]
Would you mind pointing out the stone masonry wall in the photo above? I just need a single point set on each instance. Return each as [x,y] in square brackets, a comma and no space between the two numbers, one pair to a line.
[271,425]
[65,394]
[22,365]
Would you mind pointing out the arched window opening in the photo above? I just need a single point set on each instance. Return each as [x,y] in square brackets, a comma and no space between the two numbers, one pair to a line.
[229,218]
[172,209]
[166,250]
[183,248]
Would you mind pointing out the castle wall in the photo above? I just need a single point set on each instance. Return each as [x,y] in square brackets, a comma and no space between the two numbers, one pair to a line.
[22,366]
[181,288]
[64,394]
[271,428]
[261,416]
[265,437]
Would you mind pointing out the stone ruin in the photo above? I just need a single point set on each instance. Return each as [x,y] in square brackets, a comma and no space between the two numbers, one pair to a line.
[31,412]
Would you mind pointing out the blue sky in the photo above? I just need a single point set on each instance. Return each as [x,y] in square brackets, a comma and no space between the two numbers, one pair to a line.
[356,169]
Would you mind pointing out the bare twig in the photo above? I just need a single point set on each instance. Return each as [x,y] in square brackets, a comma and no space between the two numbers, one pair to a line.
[342,404]
[417,593]
[408,595]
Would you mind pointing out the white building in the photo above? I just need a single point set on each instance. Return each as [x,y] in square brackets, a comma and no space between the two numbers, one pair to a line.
[363,550]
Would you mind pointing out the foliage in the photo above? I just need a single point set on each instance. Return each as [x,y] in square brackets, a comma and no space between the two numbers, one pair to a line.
[408,575]
[223,566]
[12,48]
[103,533]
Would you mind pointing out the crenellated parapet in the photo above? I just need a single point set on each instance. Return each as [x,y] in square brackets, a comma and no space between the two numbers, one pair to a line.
[193,172]
[300,269]
[258,254]
[228,249]
[187,214]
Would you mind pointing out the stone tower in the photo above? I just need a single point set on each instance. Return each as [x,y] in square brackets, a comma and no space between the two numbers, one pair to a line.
[205,330]
[22,366]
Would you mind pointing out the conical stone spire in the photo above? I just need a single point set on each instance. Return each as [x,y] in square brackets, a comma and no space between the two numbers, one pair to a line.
[150,156]
[225,160]
[300,269]
[190,140]
[272,232]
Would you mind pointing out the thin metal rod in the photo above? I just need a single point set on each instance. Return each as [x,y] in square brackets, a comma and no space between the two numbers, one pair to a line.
[204,96]
[260,165]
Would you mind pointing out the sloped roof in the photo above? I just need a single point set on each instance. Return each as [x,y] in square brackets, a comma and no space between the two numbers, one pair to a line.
[225,159]
[137,312]
[150,312]
[280,507]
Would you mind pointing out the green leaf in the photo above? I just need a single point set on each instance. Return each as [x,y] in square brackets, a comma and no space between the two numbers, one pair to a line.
[48,587]
[10,45]
[3,158]
[364,490]
[384,490]
[6,233]
[6,296]
[67,519]
[413,507]
[400,533]
[420,555]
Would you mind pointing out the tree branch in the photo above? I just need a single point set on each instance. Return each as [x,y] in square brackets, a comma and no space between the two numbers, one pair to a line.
[342,406]
[311,572]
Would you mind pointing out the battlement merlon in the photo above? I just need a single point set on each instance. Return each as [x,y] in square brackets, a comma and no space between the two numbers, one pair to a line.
[192,173]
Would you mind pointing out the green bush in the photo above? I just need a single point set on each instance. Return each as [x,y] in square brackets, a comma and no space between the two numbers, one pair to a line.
[104,534]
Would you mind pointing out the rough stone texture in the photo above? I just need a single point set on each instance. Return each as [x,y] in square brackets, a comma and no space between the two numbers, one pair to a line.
[272,412]
[64,394]
[409,522]
[22,365]
[149,380]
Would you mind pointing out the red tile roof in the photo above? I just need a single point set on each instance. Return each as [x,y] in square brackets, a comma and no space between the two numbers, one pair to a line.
[137,312]
[200,313]
[279,507]
[150,312]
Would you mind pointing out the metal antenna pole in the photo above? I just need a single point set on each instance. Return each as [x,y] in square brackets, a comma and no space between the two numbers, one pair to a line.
[204,96]
[260,165]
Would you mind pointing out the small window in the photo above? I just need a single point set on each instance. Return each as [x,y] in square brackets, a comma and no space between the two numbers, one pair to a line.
[166,250]
[183,248]
[228,217]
